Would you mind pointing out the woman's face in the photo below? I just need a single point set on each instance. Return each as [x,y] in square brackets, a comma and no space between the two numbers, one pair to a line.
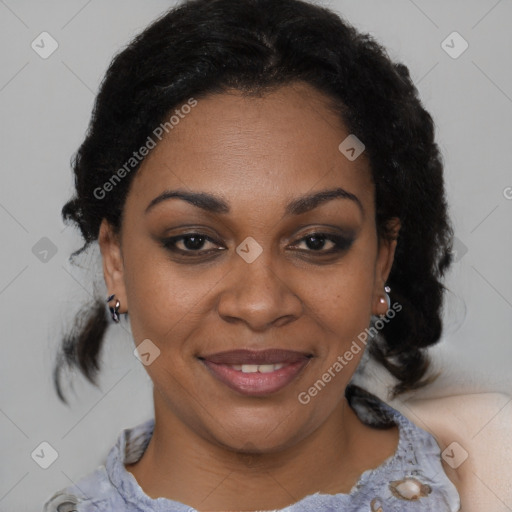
[251,274]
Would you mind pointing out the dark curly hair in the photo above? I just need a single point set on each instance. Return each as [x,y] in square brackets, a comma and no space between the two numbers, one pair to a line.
[202,47]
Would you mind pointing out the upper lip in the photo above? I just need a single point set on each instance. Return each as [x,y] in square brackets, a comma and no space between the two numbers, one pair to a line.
[268,356]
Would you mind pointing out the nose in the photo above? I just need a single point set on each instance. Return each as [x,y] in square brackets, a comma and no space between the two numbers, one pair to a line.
[258,295]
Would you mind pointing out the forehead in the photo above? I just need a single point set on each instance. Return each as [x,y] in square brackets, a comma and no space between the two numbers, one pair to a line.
[265,149]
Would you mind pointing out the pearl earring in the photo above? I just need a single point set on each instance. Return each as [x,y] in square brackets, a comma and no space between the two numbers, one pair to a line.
[386,299]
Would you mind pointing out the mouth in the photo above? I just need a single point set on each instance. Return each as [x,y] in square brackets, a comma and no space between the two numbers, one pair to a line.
[256,373]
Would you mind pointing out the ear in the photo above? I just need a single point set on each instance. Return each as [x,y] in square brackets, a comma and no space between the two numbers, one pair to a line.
[113,266]
[385,257]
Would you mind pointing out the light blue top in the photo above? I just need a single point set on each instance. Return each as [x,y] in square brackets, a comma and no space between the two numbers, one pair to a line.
[411,480]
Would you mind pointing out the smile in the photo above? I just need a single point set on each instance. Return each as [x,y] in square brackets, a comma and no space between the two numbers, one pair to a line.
[251,379]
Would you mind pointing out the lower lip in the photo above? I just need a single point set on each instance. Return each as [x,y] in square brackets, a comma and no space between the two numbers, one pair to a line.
[256,384]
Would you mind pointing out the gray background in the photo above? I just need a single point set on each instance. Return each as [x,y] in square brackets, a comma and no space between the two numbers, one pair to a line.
[45,105]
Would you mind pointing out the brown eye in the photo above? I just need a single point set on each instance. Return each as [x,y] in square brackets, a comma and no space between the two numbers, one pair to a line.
[316,242]
[191,243]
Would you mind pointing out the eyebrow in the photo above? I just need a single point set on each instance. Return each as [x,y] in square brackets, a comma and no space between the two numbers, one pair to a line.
[215,204]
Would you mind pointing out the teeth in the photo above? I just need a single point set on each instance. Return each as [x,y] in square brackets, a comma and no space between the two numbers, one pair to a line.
[253,368]
[249,368]
[265,368]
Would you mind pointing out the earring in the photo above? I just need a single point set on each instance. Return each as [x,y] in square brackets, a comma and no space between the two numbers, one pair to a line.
[114,310]
[386,299]
[387,289]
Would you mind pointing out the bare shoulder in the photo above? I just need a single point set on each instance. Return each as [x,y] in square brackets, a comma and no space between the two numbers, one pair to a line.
[474,432]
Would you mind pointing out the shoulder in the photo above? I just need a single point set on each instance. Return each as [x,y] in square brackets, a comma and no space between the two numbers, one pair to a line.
[99,491]
[474,432]
[92,493]
[414,472]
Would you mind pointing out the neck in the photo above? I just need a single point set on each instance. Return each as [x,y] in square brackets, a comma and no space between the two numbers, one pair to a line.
[188,468]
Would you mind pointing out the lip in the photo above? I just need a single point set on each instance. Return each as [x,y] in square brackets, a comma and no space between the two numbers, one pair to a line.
[256,384]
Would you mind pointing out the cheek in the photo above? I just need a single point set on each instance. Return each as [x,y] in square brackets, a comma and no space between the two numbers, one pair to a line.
[342,302]
[341,321]
[342,314]
[166,300]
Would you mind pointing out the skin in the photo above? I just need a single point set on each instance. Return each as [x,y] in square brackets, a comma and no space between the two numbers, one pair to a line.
[213,448]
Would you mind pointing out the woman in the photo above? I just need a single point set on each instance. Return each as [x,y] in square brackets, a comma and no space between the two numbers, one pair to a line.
[268,198]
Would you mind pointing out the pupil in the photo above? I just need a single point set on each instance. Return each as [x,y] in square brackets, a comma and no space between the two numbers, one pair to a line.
[197,242]
[318,241]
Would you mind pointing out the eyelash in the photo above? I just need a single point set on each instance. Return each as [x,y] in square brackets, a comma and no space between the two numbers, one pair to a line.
[341,244]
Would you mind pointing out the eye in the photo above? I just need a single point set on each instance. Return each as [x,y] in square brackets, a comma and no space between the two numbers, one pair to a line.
[190,243]
[317,241]
[196,244]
